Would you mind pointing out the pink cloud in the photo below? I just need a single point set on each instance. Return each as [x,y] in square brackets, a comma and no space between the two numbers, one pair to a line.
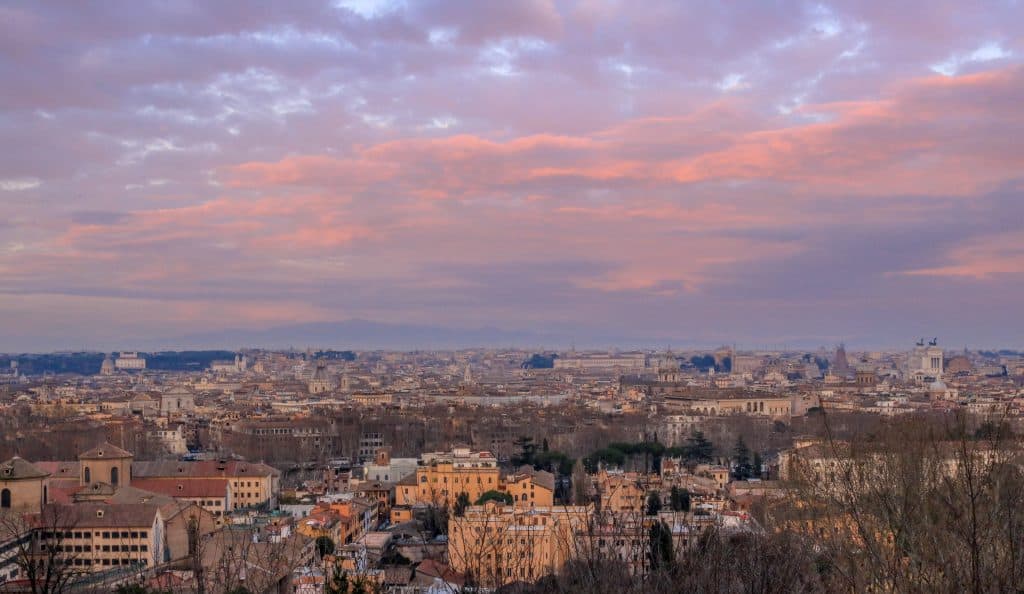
[906,142]
[982,258]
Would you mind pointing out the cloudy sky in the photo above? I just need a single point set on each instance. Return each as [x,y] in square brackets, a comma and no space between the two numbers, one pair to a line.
[694,172]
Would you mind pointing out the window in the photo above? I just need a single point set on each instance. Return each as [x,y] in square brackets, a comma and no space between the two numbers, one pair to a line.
[88,475]
[113,476]
[5,498]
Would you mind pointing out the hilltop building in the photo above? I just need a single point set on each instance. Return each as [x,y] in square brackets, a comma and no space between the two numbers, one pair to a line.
[130,361]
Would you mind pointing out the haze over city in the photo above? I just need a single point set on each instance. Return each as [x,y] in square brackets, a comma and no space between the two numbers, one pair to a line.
[596,172]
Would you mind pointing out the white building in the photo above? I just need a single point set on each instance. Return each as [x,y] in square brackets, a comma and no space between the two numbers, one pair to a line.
[925,362]
[172,439]
[177,400]
[130,360]
[388,469]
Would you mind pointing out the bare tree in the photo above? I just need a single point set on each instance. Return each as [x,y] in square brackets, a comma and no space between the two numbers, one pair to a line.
[39,549]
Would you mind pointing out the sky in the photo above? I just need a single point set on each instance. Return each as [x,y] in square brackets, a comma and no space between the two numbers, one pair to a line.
[763,172]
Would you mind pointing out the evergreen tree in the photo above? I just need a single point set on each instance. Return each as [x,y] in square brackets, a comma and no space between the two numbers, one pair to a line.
[527,451]
[492,495]
[660,552]
[653,503]
[461,503]
[338,584]
[324,546]
[741,460]
[698,448]
[756,466]
[679,499]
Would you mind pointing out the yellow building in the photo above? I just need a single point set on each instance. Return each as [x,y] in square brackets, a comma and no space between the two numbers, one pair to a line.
[621,492]
[442,476]
[530,488]
[493,545]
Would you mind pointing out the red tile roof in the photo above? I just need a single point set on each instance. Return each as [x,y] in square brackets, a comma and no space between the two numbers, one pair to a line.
[185,487]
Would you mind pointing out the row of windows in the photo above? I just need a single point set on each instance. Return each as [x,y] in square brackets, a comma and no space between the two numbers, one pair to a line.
[107,562]
[103,548]
[114,475]
[490,479]
[76,534]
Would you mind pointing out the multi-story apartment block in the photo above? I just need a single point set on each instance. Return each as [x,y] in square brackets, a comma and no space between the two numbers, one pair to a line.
[497,545]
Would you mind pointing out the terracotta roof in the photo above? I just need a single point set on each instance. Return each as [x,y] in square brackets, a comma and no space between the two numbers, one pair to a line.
[105,451]
[431,568]
[18,468]
[189,487]
[60,469]
[103,515]
[201,469]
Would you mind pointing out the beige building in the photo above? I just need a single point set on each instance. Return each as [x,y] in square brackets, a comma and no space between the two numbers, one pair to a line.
[97,536]
[23,486]
[498,545]
[735,402]
[105,463]
[211,494]
[177,400]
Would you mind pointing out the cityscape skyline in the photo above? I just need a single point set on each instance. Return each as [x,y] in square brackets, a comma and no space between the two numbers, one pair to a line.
[694,174]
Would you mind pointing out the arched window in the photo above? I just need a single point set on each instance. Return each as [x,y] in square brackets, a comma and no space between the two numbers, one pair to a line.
[88,476]
[113,476]
[5,498]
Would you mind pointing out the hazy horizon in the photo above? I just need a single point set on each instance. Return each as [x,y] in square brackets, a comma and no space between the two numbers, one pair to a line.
[366,335]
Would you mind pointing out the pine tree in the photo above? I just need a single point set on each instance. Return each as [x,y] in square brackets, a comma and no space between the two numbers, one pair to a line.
[338,584]
[461,503]
[679,500]
[698,448]
[741,460]
[660,552]
[527,451]
[653,503]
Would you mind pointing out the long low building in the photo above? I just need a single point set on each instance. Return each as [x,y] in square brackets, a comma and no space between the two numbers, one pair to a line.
[729,402]
[624,361]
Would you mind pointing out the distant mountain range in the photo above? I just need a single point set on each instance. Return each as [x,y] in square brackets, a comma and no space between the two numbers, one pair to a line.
[368,335]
